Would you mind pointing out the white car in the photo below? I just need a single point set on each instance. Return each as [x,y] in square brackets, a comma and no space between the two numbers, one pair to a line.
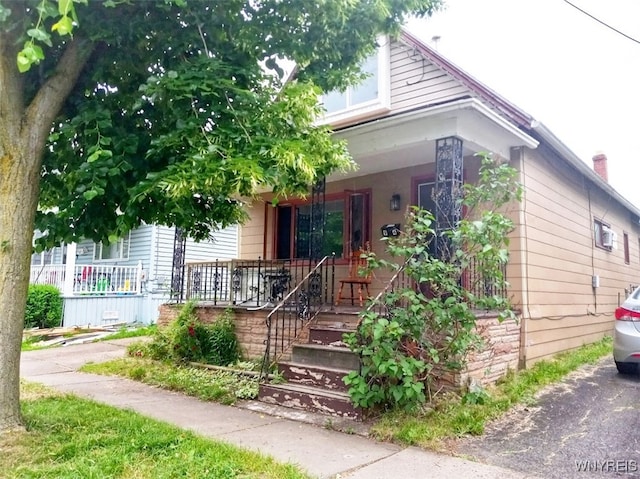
[626,335]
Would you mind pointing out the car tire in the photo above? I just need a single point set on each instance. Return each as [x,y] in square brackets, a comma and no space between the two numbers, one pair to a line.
[627,368]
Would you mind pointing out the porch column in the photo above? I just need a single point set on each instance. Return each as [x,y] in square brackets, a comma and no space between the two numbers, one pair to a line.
[69,270]
[448,191]
[177,269]
[316,223]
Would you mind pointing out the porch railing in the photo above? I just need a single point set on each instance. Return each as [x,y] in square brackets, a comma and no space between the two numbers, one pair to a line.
[90,279]
[472,280]
[246,283]
[52,274]
[300,305]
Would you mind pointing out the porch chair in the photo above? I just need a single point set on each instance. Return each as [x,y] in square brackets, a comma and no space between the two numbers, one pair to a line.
[356,263]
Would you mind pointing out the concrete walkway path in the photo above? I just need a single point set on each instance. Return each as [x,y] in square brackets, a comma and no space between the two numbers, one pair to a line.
[324,453]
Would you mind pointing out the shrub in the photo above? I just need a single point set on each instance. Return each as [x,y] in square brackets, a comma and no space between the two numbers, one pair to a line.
[187,339]
[44,307]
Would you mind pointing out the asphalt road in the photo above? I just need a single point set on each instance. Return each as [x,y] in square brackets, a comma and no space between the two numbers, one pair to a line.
[588,426]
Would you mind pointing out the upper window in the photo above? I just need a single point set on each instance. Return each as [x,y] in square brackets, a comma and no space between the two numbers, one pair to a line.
[604,236]
[112,251]
[372,95]
[345,222]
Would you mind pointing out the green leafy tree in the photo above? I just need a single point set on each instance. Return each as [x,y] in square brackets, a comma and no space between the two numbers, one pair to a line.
[115,112]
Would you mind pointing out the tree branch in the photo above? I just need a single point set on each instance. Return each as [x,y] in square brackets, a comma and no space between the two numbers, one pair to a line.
[10,91]
[39,115]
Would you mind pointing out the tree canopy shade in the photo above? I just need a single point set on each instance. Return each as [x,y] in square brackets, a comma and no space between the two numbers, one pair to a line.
[117,112]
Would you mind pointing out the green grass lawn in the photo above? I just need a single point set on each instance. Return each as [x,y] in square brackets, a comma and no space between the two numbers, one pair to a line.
[69,437]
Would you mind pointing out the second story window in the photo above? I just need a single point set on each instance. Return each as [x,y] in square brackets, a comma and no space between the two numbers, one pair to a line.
[372,95]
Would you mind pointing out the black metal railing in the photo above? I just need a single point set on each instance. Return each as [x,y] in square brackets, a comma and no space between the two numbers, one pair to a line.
[473,280]
[254,284]
[310,295]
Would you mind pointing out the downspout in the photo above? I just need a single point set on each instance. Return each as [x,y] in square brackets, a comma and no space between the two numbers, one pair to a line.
[518,155]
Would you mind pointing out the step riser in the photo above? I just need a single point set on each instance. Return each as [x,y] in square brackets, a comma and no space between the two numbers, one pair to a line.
[315,377]
[347,321]
[336,358]
[309,402]
[327,336]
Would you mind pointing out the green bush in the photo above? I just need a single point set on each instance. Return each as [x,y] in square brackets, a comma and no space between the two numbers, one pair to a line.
[187,339]
[44,307]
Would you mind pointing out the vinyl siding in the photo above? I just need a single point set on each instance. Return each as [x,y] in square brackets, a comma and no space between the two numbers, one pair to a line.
[415,81]
[223,246]
[563,310]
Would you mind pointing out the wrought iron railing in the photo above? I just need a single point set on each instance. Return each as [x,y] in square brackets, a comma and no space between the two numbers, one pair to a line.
[297,308]
[472,279]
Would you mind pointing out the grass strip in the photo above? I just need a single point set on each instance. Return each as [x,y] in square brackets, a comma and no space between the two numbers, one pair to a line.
[70,437]
[449,417]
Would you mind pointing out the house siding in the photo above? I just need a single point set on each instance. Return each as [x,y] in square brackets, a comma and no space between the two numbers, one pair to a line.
[223,246]
[563,310]
[415,81]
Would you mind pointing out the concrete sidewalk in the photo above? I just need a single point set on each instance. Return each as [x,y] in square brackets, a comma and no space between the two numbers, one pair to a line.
[322,452]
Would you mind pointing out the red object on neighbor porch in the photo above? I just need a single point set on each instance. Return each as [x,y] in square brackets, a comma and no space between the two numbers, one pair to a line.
[356,263]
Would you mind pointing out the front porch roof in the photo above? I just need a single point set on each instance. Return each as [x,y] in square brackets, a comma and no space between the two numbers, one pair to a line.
[408,139]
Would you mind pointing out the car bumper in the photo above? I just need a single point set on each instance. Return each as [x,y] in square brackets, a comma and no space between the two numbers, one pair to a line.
[626,342]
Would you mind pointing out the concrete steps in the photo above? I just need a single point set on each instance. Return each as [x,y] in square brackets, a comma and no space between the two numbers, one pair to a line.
[314,374]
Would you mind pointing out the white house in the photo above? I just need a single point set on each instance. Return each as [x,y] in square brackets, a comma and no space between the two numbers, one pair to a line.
[126,280]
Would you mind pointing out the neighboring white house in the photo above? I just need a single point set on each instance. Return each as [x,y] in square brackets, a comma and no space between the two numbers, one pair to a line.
[126,280]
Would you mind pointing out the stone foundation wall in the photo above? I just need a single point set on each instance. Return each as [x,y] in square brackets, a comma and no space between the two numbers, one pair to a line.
[500,354]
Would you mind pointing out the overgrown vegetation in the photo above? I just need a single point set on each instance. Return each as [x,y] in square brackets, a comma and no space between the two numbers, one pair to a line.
[450,416]
[187,339]
[44,307]
[225,387]
[68,437]
[425,332]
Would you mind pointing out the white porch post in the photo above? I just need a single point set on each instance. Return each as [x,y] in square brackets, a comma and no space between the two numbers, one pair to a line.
[139,278]
[69,270]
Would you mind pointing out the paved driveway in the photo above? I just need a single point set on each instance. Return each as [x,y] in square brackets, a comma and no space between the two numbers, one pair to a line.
[588,426]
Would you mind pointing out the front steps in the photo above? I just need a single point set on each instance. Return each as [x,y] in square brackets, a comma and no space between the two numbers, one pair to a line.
[314,374]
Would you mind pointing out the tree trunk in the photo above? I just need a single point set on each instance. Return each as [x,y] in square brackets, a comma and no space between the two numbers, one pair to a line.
[23,134]
[19,177]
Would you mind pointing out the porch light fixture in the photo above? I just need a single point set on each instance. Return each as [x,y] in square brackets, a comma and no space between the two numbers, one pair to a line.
[394,203]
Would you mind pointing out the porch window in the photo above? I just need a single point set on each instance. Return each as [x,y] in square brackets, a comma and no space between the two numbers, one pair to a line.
[346,226]
[45,257]
[369,96]
[116,250]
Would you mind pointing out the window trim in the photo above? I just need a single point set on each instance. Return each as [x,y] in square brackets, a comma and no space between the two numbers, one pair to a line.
[346,226]
[598,228]
[379,105]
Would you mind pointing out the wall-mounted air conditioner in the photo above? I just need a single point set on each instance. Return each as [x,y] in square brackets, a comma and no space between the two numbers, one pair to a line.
[608,237]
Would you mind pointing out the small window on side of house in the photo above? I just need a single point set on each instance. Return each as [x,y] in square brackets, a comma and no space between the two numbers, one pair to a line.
[625,239]
[602,234]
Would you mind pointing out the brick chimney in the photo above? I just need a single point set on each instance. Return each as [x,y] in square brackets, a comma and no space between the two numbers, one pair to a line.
[600,166]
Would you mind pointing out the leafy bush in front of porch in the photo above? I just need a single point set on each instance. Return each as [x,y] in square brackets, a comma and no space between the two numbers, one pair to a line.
[418,334]
[44,307]
[188,339]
